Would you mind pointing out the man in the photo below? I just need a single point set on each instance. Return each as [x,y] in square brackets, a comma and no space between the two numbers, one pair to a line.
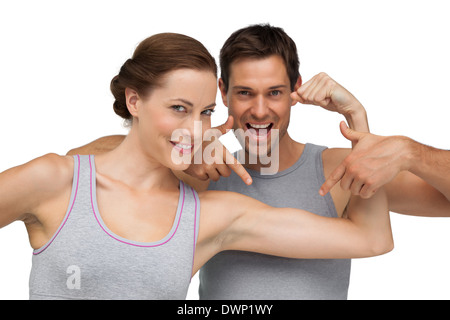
[259,84]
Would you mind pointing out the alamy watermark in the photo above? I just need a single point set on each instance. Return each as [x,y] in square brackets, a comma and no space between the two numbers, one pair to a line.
[261,147]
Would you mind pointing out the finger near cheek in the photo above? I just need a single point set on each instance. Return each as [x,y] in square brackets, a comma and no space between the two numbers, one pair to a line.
[296,97]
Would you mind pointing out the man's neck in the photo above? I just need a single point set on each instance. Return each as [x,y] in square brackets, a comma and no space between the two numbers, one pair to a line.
[289,151]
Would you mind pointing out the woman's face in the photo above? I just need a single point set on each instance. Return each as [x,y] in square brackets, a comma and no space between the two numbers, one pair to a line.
[171,120]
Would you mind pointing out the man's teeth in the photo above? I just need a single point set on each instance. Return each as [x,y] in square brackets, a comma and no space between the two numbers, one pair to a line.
[259,126]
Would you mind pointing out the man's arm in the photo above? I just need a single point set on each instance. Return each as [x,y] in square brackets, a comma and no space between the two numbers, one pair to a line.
[321,90]
[430,164]
[416,177]
[101,145]
[422,188]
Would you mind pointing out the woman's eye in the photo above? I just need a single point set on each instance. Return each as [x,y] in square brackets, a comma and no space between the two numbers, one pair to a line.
[208,112]
[178,108]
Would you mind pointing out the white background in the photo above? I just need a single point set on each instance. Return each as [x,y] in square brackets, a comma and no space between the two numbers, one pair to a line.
[58,57]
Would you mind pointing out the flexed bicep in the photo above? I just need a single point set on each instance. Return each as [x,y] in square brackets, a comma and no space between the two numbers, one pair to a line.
[295,233]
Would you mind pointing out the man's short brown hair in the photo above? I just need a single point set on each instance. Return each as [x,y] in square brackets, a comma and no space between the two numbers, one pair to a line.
[260,41]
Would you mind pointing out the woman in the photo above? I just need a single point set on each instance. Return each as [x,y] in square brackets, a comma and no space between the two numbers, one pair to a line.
[122,226]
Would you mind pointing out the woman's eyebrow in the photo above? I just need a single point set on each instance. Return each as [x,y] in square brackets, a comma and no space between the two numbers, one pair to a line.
[184,101]
[210,106]
[191,104]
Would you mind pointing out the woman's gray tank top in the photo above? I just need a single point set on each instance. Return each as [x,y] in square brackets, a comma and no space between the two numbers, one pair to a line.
[245,275]
[86,260]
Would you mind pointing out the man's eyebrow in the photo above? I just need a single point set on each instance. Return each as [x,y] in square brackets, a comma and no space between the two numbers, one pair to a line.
[278,86]
[241,88]
[270,88]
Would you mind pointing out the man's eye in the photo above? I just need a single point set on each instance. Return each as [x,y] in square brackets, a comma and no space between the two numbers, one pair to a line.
[275,93]
[243,93]
[178,108]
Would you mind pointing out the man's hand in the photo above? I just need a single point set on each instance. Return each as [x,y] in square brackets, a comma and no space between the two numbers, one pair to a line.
[221,163]
[323,91]
[373,162]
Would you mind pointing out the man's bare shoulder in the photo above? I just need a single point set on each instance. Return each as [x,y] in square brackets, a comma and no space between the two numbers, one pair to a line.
[98,146]
[332,157]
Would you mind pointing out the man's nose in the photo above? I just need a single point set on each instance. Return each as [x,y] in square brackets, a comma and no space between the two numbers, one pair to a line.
[260,108]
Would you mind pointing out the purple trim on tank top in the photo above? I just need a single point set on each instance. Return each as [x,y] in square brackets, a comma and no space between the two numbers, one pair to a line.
[195,229]
[130,243]
[67,216]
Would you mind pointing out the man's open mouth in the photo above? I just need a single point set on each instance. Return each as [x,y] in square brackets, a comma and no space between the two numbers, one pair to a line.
[259,130]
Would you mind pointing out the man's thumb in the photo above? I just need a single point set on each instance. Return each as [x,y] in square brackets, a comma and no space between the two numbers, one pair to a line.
[348,133]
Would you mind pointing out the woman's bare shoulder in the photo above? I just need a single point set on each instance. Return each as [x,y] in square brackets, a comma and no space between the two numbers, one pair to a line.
[49,171]
[30,186]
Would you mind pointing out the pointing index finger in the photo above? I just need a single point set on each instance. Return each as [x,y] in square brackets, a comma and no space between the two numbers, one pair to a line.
[237,167]
[334,178]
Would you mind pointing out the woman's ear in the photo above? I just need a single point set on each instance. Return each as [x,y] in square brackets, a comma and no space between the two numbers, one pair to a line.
[132,98]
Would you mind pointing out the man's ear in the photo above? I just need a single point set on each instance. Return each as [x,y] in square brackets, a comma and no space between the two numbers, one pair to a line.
[223,92]
[132,98]
[298,84]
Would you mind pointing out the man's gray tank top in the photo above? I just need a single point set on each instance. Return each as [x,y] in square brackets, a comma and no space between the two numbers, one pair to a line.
[86,260]
[245,275]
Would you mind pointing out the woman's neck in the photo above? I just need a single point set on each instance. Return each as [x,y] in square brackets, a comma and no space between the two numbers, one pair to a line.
[129,164]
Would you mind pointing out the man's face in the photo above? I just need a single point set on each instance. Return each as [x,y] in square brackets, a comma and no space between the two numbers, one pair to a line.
[258,98]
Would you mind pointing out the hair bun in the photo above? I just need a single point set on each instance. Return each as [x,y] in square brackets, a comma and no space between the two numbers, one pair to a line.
[120,104]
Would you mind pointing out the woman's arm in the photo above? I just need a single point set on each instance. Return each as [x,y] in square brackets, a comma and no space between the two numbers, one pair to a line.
[29,190]
[231,221]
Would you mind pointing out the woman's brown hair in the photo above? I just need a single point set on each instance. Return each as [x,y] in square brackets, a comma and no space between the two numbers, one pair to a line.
[154,57]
